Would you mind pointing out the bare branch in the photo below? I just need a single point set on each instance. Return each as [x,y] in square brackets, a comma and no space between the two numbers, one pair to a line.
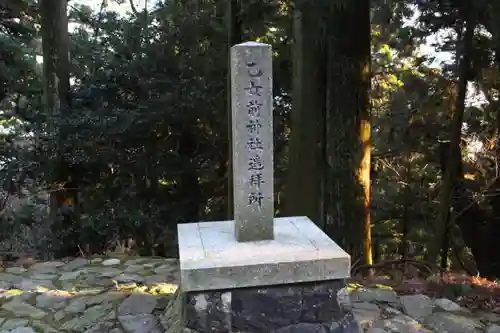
[132,6]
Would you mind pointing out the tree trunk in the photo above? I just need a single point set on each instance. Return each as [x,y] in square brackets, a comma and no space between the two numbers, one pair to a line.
[55,47]
[407,201]
[303,195]
[235,36]
[57,103]
[479,226]
[348,121]
[364,167]
[189,189]
[453,171]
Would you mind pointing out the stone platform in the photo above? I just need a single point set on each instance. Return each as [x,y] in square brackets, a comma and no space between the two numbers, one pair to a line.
[211,258]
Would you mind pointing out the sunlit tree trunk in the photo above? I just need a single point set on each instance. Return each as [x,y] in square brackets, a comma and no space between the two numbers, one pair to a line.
[330,144]
[349,127]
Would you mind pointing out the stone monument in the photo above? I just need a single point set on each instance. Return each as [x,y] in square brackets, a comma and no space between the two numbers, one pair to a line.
[252,104]
[258,273]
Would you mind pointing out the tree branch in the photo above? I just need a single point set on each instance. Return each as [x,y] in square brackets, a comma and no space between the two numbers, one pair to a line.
[132,6]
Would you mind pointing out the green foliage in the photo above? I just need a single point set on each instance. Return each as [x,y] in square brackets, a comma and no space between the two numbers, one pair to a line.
[146,135]
[26,226]
[145,139]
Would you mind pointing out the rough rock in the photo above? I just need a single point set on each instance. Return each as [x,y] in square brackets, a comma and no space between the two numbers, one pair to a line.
[365,313]
[375,295]
[143,323]
[137,304]
[303,328]
[447,305]
[446,322]
[493,329]
[417,306]
[111,262]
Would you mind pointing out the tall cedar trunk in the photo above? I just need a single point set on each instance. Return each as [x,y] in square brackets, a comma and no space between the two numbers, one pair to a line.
[453,173]
[348,132]
[479,227]
[57,103]
[303,195]
[235,36]
[55,47]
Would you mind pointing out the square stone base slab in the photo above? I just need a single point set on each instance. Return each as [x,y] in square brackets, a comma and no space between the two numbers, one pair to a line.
[212,259]
[311,307]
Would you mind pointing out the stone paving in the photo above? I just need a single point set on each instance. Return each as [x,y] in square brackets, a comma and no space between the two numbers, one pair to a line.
[137,295]
[92,296]
[381,310]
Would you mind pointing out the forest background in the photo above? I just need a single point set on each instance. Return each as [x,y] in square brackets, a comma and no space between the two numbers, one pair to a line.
[392,152]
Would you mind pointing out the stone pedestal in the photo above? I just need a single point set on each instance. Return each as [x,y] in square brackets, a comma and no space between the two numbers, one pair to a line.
[287,284]
[295,308]
[212,259]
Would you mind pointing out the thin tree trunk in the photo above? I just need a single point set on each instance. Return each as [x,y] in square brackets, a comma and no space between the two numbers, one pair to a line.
[403,250]
[452,172]
[235,36]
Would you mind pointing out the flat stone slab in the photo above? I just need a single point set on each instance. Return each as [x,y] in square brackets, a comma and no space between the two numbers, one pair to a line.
[211,258]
